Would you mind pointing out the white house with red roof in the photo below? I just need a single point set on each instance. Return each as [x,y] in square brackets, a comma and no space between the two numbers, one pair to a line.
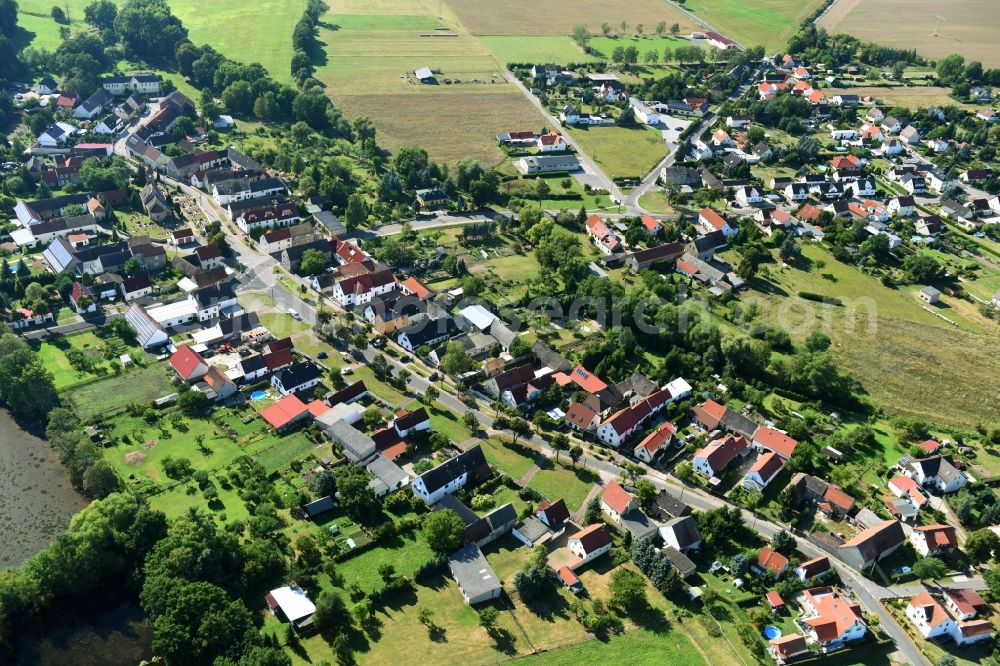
[654,442]
[717,455]
[933,539]
[769,439]
[770,563]
[651,224]
[832,618]
[904,486]
[602,236]
[589,543]
[710,219]
[932,620]
[551,143]
[763,471]
[616,502]
[188,364]
[964,603]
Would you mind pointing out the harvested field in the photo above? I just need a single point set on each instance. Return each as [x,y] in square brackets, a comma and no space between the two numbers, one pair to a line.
[371,59]
[970,26]
[559,17]
[434,121]
[536,48]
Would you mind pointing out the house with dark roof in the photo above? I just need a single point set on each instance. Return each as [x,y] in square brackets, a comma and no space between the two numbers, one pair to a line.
[681,533]
[938,472]
[297,377]
[642,259]
[581,418]
[407,421]
[451,475]
[818,566]
[588,544]
[873,544]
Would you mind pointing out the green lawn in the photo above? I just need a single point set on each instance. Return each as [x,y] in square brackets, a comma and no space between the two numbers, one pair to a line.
[639,646]
[557,481]
[767,23]
[406,553]
[281,324]
[137,385]
[53,355]
[556,49]
[622,151]
[511,461]
[645,44]
[445,421]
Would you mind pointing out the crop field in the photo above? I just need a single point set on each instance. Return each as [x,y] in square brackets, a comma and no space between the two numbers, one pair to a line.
[559,17]
[970,26]
[767,23]
[369,72]
[622,151]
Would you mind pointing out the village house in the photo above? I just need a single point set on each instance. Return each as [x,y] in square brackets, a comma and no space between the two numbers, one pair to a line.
[931,620]
[451,475]
[833,620]
[818,566]
[711,220]
[933,539]
[655,442]
[295,378]
[589,543]
[712,459]
[937,472]
[770,563]
[763,472]
[681,533]
[873,544]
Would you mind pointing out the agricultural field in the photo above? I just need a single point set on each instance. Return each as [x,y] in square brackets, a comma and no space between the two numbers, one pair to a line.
[767,23]
[559,17]
[969,28]
[622,151]
[885,345]
[369,71]
[262,35]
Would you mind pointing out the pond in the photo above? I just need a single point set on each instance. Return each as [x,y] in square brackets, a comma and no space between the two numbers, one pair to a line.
[37,499]
[119,637]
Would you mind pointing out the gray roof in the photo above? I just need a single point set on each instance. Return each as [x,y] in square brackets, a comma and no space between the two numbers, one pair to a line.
[472,572]
[357,445]
[319,506]
[550,358]
[672,506]
[866,518]
[685,567]
[387,471]
[930,291]
[532,528]
[638,523]
[736,422]
[451,502]
[685,530]
[466,462]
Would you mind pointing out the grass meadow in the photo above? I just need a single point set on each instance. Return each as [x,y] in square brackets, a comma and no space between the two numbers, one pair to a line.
[767,23]
[908,361]
[622,151]
[536,48]
[559,17]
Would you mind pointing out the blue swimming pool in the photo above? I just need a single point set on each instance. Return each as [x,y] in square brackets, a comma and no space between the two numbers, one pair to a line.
[771,632]
[258,395]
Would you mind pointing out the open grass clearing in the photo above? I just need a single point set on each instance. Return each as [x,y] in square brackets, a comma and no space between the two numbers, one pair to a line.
[639,646]
[644,44]
[910,97]
[53,354]
[513,461]
[282,324]
[970,26]
[908,361]
[556,480]
[622,151]
[536,48]
[559,17]
[767,23]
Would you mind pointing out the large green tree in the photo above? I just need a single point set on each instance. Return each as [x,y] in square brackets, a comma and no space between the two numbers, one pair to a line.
[445,531]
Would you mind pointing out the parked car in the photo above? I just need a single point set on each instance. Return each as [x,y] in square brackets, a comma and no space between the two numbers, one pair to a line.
[434,377]
[321,354]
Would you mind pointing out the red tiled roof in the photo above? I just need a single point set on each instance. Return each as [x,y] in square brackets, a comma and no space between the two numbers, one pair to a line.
[975,627]
[966,600]
[278,359]
[650,222]
[568,577]
[657,439]
[550,139]
[417,288]
[318,407]
[835,613]
[767,465]
[789,645]
[709,413]
[720,452]
[580,415]
[713,218]
[616,497]
[772,560]
[185,362]
[929,445]
[939,536]
[284,411]
[593,537]
[838,498]
[935,613]
[774,599]
[582,378]
[776,441]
